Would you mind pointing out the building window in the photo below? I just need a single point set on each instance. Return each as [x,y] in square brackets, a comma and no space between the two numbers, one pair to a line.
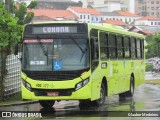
[158,23]
[97,19]
[157,2]
[80,16]
[92,18]
[88,17]
[84,17]
[155,23]
[152,8]
[152,13]
[152,2]
[151,23]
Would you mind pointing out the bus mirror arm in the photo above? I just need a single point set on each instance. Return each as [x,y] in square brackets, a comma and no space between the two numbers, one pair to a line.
[16,49]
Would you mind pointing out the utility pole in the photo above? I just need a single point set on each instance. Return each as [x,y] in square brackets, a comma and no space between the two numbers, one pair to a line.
[7,5]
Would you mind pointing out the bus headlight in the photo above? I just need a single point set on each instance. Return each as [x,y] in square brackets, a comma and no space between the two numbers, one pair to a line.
[27,85]
[82,84]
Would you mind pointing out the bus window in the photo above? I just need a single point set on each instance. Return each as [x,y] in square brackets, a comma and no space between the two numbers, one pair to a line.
[138,48]
[126,47]
[142,48]
[120,47]
[112,46]
[103,46]
[133,50]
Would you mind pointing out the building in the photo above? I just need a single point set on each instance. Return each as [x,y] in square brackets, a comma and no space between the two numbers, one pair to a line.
[116,22]
[128,5]
[41,15]
[53,4]
[86,15]
[148,8]
[140,30]
[126,17]
[103,5]
[25,1]
[56,4]
[149,23]
[110,5]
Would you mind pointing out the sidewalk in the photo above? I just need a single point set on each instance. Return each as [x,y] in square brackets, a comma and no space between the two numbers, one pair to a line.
[14,103]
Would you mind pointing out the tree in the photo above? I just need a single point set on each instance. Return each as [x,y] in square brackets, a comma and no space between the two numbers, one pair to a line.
[153,46]
[21,13]
[10,33]
[32,5]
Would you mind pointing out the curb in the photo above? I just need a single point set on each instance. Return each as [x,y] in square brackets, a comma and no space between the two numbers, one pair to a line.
[14,104]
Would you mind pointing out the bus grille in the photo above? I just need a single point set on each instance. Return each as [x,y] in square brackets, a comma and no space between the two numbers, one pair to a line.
[52,75]
[61,92]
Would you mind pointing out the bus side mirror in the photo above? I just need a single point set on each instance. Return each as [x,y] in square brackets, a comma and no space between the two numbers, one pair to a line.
[16,49]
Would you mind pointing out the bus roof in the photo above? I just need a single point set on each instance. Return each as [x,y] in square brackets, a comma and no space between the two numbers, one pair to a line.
[114,29]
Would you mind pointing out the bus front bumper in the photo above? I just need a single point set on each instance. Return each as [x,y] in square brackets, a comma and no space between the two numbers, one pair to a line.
[56,94]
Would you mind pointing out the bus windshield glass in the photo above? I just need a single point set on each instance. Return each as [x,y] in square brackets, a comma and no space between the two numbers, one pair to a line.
[55,54]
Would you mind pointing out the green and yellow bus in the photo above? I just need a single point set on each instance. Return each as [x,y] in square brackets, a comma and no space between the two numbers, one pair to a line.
[79,61]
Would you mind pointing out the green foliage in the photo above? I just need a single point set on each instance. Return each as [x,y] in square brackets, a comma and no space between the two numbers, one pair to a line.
[21,12]
[149,67]
[10,32]
[23,16]
[32,5]
[28,17]
[152,47]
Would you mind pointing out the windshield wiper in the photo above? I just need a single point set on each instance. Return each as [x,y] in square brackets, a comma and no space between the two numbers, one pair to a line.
[84,51]
[42,47]
[75,42]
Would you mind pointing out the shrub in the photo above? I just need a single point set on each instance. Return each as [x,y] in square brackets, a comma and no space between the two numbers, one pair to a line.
[149,67]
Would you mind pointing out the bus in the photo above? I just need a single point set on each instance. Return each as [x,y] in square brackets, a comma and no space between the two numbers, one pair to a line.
[80,61]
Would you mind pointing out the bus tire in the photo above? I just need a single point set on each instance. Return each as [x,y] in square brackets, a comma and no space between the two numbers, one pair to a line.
[130,93]
[46,103]
[102,99]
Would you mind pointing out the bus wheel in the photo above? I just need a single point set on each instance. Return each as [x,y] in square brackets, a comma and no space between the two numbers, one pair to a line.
[131,91]
[102,99]
[46,103]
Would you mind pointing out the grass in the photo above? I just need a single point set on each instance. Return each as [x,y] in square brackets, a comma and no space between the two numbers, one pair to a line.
[155,82]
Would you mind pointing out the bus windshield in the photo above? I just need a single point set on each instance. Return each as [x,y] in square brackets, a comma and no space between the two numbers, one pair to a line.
[55,54]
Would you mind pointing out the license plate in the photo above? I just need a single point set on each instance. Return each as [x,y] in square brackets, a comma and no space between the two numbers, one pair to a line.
[52,94]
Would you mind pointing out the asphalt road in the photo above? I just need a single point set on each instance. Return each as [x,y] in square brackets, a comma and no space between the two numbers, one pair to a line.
[146,98]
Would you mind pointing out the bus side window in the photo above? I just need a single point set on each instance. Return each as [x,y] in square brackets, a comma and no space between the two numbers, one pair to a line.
[133,48]
[112,46]
[138,49]
[94,44]
[103,46]
[142,48]
[120,47]
[127,47]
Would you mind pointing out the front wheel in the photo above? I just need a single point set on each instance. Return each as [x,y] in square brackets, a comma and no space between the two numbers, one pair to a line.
[46,103]
[102,98]
[129,93]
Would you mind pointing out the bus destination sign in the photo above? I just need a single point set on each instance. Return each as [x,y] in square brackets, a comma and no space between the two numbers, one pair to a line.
[54,29]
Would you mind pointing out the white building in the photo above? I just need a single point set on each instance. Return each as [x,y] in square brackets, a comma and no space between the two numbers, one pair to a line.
[111,5]
[86,15]
[148,21]
[126,17]
[103,5]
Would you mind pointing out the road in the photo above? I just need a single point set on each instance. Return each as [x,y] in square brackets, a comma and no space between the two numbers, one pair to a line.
[146,98]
